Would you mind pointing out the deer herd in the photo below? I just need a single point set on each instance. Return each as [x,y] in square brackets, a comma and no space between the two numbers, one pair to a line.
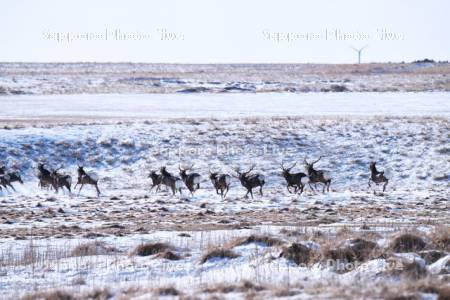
[295,182]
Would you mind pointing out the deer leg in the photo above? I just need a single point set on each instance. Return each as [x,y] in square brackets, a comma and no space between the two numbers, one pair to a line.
[80,189]
[226,191]
[251,193]
[260,191]
[98,190]
[328,187]
[9,184]
[384,186]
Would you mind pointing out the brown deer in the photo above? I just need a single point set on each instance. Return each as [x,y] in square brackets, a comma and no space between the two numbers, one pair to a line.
[61,181]
[6,179]
[317,176]
[221,182]
[45,177]
[87,178]
[296,180]
[191,180]
[377,177]
[156,180]
[173,182]
[250,181]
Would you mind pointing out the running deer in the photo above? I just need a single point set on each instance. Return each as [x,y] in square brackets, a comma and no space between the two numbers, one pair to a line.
[221,182]
[250,181]
[376,176]
[156,180]
[44,176]
[191,180]
[317,176]
[61,181]
[5,179]
[296,180]
[173,182]
[87,178]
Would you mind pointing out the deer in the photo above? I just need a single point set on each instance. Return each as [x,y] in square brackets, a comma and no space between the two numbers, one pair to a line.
[5,179]
[221,182]
[317,176]
[191,180]
[173,182]
[156,180]
[250,181]
[61,181]
[376,176]
[87,178]
[296,180]
[44,176]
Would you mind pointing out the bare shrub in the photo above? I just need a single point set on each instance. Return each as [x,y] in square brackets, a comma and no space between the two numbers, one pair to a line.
[218,253]
[407,243]
[151,249]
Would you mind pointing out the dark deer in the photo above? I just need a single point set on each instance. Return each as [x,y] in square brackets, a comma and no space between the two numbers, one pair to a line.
[376,176]
[317,176]
[44,176]
[250,181]
[61,181]
[156,180]
[173,182]
[221,182]
[87,178]
[296,180]
[191,180]
[5,179]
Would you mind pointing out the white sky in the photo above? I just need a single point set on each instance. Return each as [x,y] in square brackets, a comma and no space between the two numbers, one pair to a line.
[224,31]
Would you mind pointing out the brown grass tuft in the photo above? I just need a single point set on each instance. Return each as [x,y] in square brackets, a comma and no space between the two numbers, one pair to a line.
[168,291]
[407,243]
[243,287]
[151,249]
[218,253]
[354,250]
[267,240]
[50,295]
[168,255]
[93,248]
[298,253]
[440,238]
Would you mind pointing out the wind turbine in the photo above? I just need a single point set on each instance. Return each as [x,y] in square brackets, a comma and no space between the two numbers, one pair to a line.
[359,52]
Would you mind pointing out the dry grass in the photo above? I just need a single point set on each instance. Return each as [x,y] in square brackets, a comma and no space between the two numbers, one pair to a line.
[298,253]
[218,253]
[151,249]
[96,294]
[168,291]
[440,238]
[243,287]
[93,248]
[266,240]
[354,250]
[168,255]
[407,242]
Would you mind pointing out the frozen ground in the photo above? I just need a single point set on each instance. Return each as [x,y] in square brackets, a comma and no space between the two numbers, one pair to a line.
[40,230]
[94,78]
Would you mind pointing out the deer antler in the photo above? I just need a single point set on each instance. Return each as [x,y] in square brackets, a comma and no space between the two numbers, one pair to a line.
[251,169]
[305,161]
[316,160]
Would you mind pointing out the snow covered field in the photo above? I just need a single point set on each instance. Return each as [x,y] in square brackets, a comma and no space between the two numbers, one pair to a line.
[123,137]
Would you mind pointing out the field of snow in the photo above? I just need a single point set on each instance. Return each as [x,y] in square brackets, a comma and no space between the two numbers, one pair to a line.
[123,137]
